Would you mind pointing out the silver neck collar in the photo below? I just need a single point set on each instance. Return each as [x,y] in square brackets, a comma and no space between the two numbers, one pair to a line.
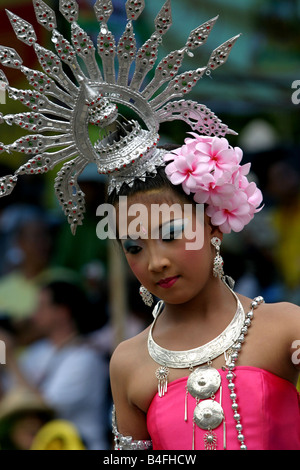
[203,354]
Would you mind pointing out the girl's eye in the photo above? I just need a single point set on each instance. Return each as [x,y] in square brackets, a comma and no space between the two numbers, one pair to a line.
[131,247]
[133,250]
[172,230]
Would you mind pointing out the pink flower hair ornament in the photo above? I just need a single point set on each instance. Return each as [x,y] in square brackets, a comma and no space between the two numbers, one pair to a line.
[210,168]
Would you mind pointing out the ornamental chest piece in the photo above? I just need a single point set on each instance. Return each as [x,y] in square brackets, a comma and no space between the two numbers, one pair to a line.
[202,384]
[208,414]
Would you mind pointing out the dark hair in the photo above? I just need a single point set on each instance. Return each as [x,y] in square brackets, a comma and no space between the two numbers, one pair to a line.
[72,296]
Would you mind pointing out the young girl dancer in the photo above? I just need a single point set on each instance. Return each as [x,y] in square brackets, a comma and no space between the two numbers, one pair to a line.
[215,370]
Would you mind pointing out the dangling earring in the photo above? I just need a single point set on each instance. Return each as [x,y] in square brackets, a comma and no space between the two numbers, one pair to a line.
[218,260]
[146,296]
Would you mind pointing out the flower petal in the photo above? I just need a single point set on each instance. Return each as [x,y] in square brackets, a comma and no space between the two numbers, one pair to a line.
[177,178]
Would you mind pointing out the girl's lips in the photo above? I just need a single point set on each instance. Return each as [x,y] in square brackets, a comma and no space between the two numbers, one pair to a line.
[167,282]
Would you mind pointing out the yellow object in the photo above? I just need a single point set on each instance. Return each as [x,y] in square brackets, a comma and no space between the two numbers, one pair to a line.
[287,226]
[298,384]
[18,295]
[57,435]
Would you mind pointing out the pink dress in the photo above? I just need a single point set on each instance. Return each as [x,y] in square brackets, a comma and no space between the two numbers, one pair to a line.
[268,405]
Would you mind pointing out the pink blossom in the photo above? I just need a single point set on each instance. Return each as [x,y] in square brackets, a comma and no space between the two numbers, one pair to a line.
[233,215]
[254,197]
[211,169]
[239,175]
[214,190]
[186,170]
[239,154]
[221,157]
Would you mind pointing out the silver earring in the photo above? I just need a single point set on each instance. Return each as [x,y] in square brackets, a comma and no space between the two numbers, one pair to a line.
[218,260]
[146,296]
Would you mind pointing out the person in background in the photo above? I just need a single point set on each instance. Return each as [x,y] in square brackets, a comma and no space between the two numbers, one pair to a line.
[26,253]
[22,415]
[62,367]
[26,261]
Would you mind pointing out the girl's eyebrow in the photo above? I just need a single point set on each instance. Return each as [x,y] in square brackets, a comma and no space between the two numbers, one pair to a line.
[170,221]
[158,229]
[133,236]
[161,225]
[129,242]
[129,238]
[167,223]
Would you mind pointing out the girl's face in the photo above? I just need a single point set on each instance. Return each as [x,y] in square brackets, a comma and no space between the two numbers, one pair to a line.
[157,250]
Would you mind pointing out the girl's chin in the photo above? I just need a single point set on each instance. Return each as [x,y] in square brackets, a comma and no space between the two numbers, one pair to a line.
[175,298]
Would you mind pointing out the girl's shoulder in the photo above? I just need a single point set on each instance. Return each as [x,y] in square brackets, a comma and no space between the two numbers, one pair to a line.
[279,322]
[272,338]
[128,352]
[281,311]
[278,311]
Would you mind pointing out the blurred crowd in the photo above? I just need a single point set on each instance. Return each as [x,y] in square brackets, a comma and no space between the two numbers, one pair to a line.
[55,323]
[55,317]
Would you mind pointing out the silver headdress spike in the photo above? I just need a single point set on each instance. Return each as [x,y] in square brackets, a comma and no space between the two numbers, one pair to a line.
[68,104]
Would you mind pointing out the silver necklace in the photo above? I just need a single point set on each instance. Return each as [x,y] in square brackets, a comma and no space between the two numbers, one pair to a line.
[202,354]
[205,381]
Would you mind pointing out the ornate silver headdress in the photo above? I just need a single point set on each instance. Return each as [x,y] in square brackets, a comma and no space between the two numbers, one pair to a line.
[62,109]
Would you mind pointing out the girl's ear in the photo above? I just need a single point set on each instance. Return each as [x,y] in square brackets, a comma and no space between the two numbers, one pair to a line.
[214,231]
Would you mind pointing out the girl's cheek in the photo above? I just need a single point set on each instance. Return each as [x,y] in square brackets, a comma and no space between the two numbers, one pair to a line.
[136,268]
[191,259]
[133,266]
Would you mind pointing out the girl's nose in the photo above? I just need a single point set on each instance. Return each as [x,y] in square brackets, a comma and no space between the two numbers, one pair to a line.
[158,261]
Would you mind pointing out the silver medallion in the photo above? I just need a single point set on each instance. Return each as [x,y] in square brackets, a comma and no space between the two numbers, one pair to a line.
[203,382]
[208,414]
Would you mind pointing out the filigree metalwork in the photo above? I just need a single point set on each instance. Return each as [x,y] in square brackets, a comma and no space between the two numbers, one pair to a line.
[67,104]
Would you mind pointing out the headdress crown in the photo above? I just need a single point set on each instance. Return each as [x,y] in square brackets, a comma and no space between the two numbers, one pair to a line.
[66,107]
